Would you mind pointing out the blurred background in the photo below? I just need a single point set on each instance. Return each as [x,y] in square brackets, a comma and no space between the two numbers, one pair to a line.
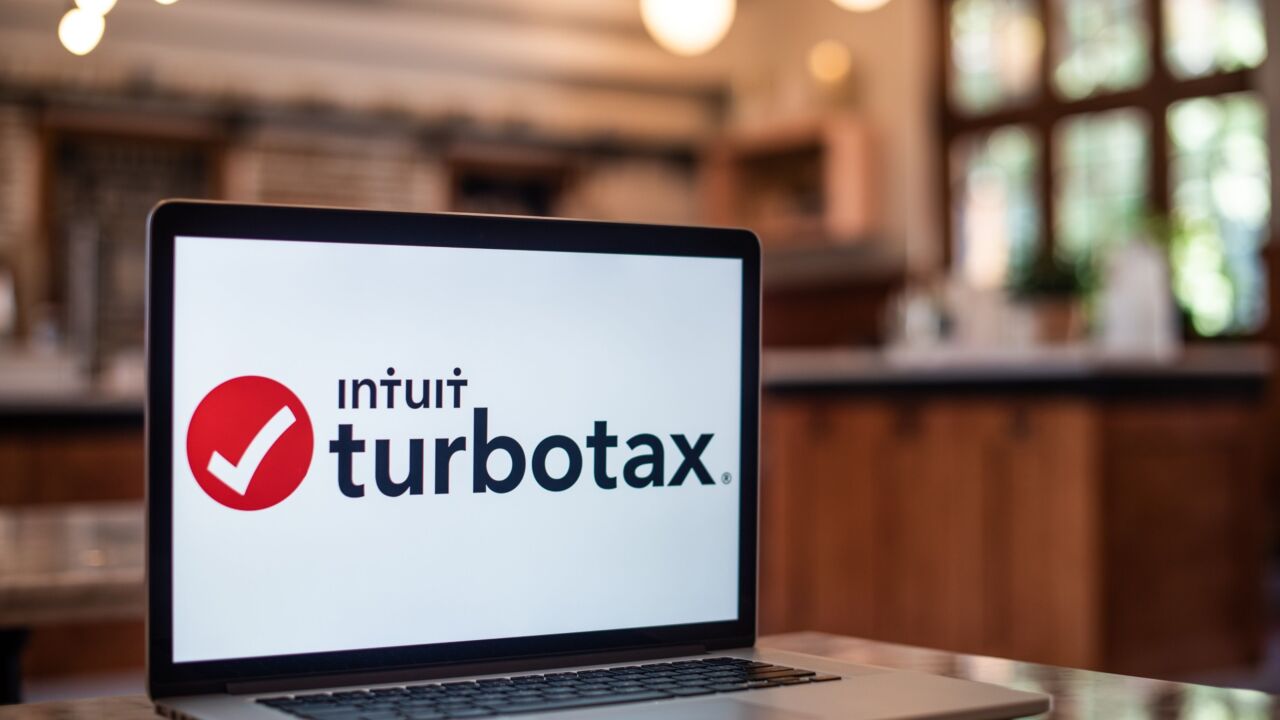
[1017,261]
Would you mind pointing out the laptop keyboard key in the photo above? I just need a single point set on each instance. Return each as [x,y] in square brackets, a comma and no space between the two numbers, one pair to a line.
[685,691]
[551,705]
[779,674]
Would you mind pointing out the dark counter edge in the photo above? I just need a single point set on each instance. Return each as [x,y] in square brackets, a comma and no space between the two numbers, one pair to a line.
[33,414]
[1168,387]
[1202,372]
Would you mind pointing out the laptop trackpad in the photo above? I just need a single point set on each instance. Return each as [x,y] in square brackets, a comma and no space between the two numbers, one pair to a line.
[712,710]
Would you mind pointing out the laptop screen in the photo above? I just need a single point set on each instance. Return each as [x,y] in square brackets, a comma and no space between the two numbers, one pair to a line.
[387,445]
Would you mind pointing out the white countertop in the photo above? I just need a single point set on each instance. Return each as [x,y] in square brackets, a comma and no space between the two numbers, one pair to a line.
[783,368]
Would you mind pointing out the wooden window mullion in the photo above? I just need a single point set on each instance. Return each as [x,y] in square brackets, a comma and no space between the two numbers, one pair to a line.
[946,126]
[1159,92]
[1044,117]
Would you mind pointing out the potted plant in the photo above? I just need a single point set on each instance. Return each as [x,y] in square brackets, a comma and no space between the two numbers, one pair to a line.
[1054,288]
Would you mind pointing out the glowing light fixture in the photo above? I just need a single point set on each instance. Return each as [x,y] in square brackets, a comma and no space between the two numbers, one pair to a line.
[166,2]
[80,31]
[829,61]
[96,7]
[861,5]
[688,27]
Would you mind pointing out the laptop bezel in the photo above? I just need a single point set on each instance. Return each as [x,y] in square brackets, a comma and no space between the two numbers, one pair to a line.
[171,219]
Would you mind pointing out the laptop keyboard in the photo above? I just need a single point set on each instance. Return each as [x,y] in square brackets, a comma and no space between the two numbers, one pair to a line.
[545,693]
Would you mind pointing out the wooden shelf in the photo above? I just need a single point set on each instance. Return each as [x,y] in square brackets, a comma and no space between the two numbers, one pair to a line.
[804,184]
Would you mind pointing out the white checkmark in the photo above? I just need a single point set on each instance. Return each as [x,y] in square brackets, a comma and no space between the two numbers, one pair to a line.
[237,476]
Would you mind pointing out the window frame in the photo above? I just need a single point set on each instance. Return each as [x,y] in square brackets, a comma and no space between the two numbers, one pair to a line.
[1042,113]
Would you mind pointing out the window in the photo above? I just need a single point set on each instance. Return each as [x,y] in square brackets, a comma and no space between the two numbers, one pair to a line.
[998,214]
[1099,46]
[995,53]
[1207,36]
[1220,186]
[1071,123]
[1100,182]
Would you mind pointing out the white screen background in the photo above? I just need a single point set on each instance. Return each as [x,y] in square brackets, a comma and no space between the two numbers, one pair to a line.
[549,342]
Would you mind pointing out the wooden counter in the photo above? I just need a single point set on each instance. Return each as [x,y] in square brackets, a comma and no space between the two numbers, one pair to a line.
[1073,511]
[69,449]
[56,452]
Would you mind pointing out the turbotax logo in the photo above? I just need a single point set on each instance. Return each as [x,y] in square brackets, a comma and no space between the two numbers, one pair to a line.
[250,445]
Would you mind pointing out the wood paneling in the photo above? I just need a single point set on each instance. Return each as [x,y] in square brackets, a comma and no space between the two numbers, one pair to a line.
[812,443]
[71,465]
[1063,530]
[830,315]
[1042,535]
[84,649]
[1184,486]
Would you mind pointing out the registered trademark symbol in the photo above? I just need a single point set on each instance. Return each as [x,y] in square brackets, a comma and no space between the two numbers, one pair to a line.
[726,478]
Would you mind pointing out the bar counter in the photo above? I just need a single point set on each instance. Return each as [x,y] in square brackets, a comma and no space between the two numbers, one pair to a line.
[1054,506]
[1066,369]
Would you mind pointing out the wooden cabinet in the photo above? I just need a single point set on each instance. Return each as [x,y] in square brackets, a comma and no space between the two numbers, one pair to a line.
[1186,513]
[52,460]
[56,457]
[1066,530]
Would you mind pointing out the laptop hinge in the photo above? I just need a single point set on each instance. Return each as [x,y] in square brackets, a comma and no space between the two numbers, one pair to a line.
[493,667]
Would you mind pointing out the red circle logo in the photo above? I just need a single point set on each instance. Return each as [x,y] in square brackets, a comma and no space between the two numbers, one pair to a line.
[249,443]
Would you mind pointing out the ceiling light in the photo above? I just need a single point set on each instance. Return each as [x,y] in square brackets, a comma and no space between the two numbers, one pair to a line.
[687,27]
[861,5]
[829,61]
[80,31]
[97,7]
[166,2]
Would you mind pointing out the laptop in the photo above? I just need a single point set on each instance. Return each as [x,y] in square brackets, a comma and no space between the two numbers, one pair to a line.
[448,466]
